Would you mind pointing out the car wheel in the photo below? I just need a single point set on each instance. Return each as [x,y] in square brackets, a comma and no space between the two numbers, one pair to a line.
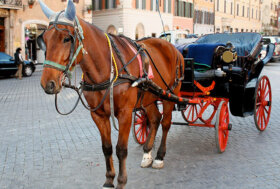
[27,71]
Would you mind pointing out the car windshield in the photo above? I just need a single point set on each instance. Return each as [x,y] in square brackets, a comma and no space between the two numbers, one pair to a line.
[166,37]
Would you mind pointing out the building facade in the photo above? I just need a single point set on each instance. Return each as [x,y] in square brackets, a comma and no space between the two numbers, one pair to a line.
[270,17]
[140,18]
[238,15]
[21,21]
[204,17]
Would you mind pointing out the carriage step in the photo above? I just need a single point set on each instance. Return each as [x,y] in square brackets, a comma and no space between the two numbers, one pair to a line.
[179,123]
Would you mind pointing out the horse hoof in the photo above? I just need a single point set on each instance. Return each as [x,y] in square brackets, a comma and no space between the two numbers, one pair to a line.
[158,164]
[147,160]
[108,186]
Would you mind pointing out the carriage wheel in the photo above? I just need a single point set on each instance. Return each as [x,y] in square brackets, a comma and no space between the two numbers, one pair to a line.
[262,103]
[222,126]
[209,112]
[190,114]
[140,129]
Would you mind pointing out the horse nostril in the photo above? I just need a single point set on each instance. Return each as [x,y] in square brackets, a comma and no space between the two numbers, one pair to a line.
[50,87]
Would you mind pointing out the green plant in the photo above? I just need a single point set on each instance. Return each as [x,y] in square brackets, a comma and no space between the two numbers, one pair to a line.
[89,7]
[31,2]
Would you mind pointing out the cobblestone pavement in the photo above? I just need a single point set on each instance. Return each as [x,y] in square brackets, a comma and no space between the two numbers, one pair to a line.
[41,149]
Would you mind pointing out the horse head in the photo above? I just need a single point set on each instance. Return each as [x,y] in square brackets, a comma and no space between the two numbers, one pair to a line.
[60,41]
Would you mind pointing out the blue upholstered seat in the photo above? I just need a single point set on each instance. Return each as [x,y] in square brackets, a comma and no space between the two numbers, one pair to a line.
[203,49]
[244,43]
[201,53]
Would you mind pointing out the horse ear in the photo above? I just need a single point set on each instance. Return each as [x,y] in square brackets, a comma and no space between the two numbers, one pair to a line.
[46,10]
[70,11]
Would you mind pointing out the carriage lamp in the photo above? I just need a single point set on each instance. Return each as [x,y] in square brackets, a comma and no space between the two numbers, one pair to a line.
[229,56]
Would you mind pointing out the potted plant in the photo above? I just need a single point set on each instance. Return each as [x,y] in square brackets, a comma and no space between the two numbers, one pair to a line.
[89,8]
[31,3]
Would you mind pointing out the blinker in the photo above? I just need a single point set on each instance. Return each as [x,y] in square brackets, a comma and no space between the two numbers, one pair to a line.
[41,43]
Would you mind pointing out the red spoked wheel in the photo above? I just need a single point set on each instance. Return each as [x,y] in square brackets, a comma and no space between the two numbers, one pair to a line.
[140,129]
[190,114]
[222,126]
[263,100]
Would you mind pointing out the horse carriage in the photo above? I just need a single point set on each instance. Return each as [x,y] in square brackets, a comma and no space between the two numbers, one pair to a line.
[220,69]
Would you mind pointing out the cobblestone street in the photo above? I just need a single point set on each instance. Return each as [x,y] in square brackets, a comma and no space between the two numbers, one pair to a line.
[41,149]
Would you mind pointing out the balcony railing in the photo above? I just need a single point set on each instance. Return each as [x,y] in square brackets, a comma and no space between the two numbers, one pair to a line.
[11,4]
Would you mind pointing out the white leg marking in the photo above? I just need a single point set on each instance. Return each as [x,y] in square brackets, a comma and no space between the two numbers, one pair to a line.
[158,164]
[147,160]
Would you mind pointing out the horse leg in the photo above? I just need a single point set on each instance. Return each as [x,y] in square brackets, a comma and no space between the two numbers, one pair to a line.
[154,118]
[124,118]
[103,125]
[166,123]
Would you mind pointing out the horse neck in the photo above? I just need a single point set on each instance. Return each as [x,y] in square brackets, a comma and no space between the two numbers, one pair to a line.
[96,63]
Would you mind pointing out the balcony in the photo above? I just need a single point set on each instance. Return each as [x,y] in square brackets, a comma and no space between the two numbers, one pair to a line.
[11,4]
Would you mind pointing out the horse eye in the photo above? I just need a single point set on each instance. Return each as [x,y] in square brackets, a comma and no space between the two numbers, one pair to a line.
[67,39]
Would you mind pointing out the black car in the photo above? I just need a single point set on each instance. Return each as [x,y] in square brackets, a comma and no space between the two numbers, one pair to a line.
[8,66]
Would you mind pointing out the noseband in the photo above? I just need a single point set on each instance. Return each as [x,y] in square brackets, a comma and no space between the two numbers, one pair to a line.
[78,34]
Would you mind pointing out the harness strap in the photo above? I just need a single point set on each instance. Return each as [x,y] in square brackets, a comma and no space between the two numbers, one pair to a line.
[54,64]
[113,57]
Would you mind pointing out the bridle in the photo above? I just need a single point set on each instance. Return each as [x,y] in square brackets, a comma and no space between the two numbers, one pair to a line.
[78,35]
[66,70]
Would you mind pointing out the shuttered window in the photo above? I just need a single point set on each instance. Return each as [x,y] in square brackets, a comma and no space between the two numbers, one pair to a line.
[143,4]
[100,5]
[137,4]
[169,6]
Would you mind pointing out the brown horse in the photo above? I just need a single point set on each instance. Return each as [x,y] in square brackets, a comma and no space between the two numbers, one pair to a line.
[62,41]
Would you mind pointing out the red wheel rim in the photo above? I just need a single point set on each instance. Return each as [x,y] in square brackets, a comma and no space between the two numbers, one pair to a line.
[221,127]
[190,114]
[140,127]
[262,103]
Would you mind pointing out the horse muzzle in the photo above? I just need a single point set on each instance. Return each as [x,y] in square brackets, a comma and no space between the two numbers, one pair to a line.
[51,88]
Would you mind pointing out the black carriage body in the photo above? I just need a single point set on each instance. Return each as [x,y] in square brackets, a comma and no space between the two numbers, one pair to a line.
[240,79]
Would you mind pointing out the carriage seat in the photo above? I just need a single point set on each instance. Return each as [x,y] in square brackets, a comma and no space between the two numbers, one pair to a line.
[201,53]
[245,43]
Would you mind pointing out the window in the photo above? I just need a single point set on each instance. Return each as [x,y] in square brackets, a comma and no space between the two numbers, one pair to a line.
[114,4]
[231,5]
[169,6]
[143,4]
[248,12]
[137,4]
[243,11]
[176,8]
[152,5]
[100,4]
[237,10]
[256,14]
[218,4]
[183,9]
[252,13]
[106,4]
[225,6]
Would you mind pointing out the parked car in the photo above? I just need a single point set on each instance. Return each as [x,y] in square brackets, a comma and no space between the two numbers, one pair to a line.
[276,41]
[8,66]
[178,37]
